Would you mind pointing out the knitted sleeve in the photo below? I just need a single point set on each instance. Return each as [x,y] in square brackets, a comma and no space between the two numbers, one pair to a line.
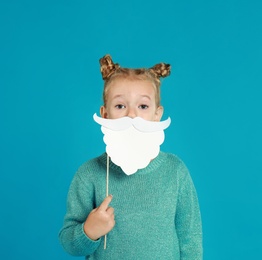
[79,205]
[188,219]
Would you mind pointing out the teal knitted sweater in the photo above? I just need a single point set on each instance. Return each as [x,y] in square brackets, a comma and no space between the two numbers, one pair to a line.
[156,212]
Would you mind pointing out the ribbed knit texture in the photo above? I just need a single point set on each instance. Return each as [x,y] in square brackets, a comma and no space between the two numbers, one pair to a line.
[156,212]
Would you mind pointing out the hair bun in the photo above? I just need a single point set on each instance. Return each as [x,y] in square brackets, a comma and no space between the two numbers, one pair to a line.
[161,70]
[107,66]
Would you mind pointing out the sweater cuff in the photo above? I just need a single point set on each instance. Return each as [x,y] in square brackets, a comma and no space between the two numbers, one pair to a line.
[78,243]
[87,243]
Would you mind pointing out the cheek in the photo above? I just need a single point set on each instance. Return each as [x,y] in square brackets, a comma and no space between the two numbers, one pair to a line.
[148,117]
[114,114]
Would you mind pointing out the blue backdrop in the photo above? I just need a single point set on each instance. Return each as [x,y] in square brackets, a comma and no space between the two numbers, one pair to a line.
[51,86]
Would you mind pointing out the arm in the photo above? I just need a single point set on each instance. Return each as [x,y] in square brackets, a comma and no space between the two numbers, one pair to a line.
[188,219]
[79,205]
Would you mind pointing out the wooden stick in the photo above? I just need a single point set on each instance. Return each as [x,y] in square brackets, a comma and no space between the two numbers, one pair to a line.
[107,188]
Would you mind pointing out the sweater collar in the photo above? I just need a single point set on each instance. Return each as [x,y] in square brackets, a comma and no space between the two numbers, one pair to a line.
[153,165]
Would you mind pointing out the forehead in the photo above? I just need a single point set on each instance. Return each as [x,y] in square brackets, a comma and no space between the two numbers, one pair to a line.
[126,85]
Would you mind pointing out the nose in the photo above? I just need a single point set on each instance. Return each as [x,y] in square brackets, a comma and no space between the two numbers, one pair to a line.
[131,112]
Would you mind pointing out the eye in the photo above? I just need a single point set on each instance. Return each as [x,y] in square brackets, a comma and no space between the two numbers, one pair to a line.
[143,106]
[119,106]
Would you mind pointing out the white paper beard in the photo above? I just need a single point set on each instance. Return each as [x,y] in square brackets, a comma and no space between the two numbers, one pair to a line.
[132,143]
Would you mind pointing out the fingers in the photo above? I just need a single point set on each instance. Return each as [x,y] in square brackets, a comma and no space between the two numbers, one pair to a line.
[104,205]
[110,211]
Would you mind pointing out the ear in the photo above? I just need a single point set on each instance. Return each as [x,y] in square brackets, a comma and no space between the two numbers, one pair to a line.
[103,112]
[159,113]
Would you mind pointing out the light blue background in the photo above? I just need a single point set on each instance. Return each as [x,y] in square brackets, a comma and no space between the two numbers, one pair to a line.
[51,86]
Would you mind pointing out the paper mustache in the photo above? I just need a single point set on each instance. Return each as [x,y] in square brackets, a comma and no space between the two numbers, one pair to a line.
[132,143]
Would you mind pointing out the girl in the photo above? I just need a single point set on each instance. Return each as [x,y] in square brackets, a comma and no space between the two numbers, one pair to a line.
[154,213]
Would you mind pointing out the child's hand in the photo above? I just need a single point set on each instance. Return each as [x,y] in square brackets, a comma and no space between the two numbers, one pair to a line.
[100,221]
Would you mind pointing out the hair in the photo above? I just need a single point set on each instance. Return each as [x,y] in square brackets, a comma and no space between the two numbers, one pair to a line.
[111,71]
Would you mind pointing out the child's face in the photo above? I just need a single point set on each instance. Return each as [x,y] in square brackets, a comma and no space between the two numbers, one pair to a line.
[132,98]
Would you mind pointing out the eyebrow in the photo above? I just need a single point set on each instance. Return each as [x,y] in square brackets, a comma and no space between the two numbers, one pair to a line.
[120,96]
[146,96]
[116,96]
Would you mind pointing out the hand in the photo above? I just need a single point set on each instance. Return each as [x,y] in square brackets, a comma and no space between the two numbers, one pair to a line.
[101,220]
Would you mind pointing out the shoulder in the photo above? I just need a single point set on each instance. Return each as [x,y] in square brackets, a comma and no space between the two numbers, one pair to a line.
[175,166]
[92,163]
[173,160]
[91,168]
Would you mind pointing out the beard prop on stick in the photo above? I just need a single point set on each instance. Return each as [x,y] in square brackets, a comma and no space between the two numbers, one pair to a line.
[131,143]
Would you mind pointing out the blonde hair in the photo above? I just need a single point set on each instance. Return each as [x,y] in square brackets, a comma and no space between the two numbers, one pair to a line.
[111,71]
